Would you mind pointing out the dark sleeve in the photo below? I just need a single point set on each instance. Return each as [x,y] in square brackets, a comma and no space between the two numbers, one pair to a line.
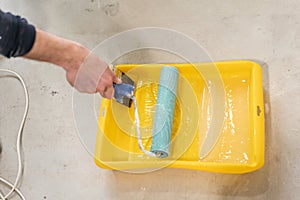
[16,35]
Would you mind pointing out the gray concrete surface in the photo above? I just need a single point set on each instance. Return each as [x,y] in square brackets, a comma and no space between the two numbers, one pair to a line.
[56,164]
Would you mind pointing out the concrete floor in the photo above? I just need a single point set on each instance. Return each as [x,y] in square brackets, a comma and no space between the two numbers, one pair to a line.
[56,164]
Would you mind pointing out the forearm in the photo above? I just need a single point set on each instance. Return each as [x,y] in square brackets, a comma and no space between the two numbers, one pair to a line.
[56,50]
[84,70]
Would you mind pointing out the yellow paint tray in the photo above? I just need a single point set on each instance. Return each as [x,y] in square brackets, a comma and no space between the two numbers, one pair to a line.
[240,147]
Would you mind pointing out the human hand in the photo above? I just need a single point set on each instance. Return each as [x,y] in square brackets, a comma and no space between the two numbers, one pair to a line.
[92,76]
[85,71]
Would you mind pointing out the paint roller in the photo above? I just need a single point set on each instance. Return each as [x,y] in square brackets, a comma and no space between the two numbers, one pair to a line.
[164,113]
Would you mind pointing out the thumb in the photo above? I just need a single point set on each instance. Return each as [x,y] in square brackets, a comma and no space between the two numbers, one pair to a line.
[117,80]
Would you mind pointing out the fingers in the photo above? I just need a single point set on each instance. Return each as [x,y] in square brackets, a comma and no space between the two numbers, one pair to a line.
[109,93]
[106,91]
[117,80]
[105,85]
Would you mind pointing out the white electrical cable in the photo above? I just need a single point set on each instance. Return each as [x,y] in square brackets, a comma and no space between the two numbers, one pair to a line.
[19,140]
[11,185]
